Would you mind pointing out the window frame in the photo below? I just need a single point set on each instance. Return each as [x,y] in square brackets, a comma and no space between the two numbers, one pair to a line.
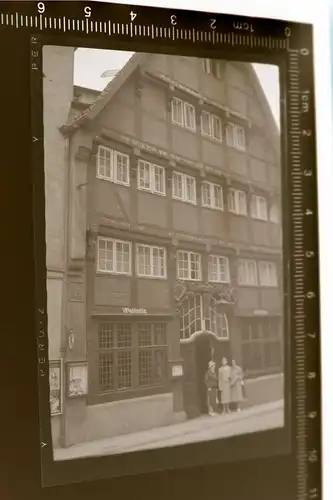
[247,282]
[212,119]
[256,208]
[212,196]
[232,137]
[114,256]
[152,181]
[261,342]
[184,106]
[270,266]
[218,258]
[274,209]
[189,253]
[237,211]
[112,350]
[184,198]
[151,263]
[114,153]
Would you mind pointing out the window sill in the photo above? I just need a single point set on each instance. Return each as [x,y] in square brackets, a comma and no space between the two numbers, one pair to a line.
[112,181]
[149,191]
[111,273]
[194,203]
[163,278]
[220,282]
[213,208]
[125,395]
[258,219]
[212,139]
[248,285]
[193,131]
[238,215]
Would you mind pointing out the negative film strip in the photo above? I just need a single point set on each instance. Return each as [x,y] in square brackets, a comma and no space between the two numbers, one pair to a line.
[198,143]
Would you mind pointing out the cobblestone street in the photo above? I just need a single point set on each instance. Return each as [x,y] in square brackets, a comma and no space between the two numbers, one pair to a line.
[258,418]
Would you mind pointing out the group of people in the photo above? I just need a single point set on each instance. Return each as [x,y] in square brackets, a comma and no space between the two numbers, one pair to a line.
[225,387]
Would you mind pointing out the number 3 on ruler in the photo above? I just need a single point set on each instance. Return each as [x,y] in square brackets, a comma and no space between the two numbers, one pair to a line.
[40,8]
[173,20]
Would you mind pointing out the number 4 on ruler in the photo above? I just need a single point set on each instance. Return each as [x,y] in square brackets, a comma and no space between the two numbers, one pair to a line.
[133,15]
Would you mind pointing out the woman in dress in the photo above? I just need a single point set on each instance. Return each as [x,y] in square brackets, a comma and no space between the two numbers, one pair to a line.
[211,385]
[237,382]
[224,385]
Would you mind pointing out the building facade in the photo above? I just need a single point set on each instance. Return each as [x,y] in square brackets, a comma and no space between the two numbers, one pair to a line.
[173,245]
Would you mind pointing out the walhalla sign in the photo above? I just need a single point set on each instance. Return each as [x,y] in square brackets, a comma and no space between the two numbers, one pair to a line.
[130,310]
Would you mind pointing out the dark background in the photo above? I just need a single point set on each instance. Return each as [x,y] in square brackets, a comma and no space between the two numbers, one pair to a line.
[269,478]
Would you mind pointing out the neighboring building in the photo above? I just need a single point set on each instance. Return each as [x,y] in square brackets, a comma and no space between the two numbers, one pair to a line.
[174,250]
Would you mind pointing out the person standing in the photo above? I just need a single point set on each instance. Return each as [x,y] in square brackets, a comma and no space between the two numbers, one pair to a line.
[224,385]
[211,385]
[236,383]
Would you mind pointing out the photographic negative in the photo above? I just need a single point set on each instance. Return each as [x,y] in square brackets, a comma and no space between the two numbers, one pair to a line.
[163,248]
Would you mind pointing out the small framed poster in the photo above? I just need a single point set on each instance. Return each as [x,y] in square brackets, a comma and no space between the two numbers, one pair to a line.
[55,381]
[77,379]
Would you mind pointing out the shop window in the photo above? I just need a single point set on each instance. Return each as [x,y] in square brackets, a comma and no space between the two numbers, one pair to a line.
[261,345]
[131,356]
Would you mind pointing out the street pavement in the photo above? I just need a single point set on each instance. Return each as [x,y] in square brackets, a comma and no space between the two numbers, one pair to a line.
[205,428]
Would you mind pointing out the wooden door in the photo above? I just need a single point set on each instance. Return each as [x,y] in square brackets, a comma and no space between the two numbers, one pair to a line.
[188,353]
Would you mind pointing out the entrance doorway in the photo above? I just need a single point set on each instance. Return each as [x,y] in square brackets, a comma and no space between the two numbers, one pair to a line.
[203,354]
[196,355]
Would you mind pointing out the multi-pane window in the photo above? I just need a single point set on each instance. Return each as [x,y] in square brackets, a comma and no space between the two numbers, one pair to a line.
[218,269]
[247,272]
[151,177]
[114,256]
[115,356]
[258,207]
[261,345]
[274,214]
[267,274]
[211,126]
[131,355]
[237,202]
[189,265]
[152,353]
[183,113]
[151,261]
[195,318]
[183,187]
[113,165]
[236,136]
[212,195]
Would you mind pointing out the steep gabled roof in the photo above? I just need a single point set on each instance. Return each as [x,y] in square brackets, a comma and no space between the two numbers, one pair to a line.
[106,95]
[137,60]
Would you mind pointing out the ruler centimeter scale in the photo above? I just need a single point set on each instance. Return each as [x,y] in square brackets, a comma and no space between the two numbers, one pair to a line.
[235,33]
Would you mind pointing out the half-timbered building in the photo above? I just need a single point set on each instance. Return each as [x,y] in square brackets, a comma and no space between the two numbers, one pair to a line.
[173,244]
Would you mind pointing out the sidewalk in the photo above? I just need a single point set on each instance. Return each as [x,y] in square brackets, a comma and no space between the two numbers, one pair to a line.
[254,419]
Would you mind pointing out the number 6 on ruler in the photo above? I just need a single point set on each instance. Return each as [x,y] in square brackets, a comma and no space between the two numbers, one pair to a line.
[41,7]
